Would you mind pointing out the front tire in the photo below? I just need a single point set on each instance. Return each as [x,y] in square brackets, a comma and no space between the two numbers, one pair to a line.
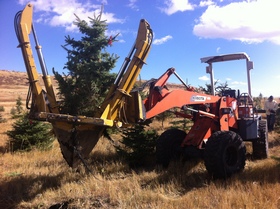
[260,145]
[225,154]
[168,146]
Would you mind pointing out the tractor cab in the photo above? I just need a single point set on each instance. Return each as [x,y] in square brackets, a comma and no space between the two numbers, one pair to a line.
[246,118]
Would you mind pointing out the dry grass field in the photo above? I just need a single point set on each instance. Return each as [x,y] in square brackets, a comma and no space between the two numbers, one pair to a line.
[43,179]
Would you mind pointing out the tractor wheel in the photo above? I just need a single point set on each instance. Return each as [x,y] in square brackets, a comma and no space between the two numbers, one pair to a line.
[224,154]
[168,146]
[260,145]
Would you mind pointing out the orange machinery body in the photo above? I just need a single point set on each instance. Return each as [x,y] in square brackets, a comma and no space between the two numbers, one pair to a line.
[210,113]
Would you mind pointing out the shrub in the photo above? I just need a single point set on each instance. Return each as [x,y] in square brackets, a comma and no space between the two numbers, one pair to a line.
[13,112]
[139,145]
[26,135]
[181,122]
[2,120]
[17,111]
[19,108]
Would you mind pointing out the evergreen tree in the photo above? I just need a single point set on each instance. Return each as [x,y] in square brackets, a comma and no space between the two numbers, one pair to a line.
[163,117]
[258,101]
[19,107]
[139,145]
[182,123]
[26,134]
[2,120]
[13,112]
[2,109]
[85,85]
[221,87]
[17,111]
[208,88]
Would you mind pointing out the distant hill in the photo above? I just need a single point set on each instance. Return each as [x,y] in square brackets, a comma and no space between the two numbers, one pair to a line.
[14,84]
[10,78]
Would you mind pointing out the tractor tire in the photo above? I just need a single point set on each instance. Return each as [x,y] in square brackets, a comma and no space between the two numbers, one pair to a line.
[260,145]
[168,146]
[224,154]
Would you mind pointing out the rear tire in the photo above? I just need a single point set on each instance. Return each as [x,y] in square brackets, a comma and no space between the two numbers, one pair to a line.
[260,145]
[168,146]
[225,154]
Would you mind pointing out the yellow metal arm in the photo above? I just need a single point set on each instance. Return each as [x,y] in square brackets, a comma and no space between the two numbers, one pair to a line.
[115,106]
[42,100]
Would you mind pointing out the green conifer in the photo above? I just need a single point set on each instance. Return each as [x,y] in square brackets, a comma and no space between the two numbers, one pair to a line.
[26,135]
[85,85]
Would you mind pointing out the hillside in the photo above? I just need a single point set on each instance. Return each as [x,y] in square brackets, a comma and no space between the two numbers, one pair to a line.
[12,85]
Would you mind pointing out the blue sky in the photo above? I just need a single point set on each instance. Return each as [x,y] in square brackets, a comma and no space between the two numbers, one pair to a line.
[184,32]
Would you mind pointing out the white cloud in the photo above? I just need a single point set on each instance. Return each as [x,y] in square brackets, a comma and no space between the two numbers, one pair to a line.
[162,40]
[61,13]
[173,6]
[132,5]
[204,78]
[206,3]
[251,21]
[238,83]
[104,2]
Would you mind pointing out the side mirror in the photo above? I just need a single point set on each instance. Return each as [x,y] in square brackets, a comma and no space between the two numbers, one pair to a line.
[208,69]
[250,65]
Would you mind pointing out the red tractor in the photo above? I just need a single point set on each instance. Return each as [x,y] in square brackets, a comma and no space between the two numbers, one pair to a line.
[221,123]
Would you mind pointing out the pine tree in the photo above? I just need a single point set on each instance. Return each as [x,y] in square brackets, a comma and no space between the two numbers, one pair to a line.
[26,134]
[258,101]
[85,85]
[19,107]
[220,88]
[163,117]
[13,112]
[2,109]
[182,123]
[17,111]
[139,145]
[2,120]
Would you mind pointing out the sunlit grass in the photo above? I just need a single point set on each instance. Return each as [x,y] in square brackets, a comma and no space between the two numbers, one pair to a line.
[42,179]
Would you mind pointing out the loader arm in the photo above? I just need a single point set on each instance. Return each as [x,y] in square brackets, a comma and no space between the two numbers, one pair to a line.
[43,100]
[77,135]
[161,99]
[115,105]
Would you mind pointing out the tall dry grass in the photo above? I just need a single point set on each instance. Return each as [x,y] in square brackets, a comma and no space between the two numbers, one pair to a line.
[43,179]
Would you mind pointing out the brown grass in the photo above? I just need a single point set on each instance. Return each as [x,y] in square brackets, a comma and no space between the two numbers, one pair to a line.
[43,179]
